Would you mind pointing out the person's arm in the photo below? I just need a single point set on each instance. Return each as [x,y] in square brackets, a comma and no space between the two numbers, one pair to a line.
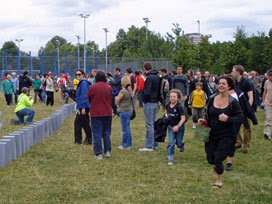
[250,97]
[118,98]
[237,117]
[265,92]
[147,89]
[176,127]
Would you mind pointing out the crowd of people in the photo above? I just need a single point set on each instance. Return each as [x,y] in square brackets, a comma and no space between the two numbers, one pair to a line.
[222,103]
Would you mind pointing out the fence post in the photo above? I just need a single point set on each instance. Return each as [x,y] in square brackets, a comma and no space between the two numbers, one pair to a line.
[6,62]
[65,63]
[55,64]
[19,63]
[43,62]
[30,63]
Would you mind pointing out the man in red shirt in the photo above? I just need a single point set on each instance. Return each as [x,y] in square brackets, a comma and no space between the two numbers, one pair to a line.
[99,97]
[140,86]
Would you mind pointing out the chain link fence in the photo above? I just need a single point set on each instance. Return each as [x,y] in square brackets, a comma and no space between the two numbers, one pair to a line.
[68,63]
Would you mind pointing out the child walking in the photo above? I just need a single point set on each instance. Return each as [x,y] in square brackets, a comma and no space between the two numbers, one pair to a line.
[176,117]
[198,102]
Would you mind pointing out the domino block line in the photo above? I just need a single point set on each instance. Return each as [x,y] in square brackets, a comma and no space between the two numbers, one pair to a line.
[18,142]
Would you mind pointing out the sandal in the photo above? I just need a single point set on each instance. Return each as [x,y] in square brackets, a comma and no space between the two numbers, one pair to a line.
[218,186]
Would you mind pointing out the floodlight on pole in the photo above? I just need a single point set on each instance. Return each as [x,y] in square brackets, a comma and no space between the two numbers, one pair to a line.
[84,16]
[58,50]
[106,32]
[146,20]
[78,54]
[19,43]
[198,22]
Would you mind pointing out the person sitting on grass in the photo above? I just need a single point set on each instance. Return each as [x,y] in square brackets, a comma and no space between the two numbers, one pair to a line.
[175,114]
[22,108]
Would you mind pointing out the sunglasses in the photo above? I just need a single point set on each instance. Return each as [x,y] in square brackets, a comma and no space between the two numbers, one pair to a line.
[78,74]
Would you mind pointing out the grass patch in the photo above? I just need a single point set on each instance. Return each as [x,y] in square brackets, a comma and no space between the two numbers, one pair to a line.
[58,171]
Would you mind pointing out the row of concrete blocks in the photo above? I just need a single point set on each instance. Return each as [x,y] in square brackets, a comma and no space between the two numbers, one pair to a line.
[18,142]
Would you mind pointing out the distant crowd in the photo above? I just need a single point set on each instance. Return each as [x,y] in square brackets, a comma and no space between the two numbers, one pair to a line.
[221,104]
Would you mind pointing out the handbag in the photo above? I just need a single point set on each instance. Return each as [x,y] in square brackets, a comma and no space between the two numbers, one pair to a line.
[133,115]
[202,133]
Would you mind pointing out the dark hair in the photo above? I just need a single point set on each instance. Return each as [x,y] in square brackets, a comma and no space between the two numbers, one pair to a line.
[163,69]
[147,66]
[129,70]
[269,72]
[118,69]
[25,73]
[81,71]
[239,68]
[230,81]
[176,91]
[24,90]
[137,73]
[100,76]
[45,75]
[109,74]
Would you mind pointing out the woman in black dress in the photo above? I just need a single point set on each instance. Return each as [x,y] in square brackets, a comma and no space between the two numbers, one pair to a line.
[224,116]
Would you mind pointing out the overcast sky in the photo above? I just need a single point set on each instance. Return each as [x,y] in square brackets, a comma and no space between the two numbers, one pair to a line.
[37,21]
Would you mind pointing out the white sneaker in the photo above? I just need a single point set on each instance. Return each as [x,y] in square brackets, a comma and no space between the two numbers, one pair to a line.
[146,150]
[120,147]
[194,125]
[170,162]
[98,157]
[108,154]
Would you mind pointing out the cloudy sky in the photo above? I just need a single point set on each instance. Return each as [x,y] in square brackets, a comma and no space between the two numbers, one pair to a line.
[37,21]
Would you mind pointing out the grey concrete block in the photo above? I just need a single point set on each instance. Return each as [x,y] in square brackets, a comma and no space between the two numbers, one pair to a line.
[18,143]
[40,130]
[13,146]
[8,149]
[46,127]
[35,133]
[23,139]
[29,134]
[3,149]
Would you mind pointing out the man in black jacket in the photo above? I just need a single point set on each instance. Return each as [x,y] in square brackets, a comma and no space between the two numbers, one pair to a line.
[24,81]
[151,95]
[116,87]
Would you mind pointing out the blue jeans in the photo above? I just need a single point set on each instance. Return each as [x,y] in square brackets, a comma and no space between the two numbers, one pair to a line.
[43,96]
[178,136]
[101,127]
[125,122]
[150,110]
[22,113]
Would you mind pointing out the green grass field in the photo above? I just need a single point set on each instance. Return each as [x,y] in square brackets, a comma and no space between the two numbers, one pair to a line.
[58,171]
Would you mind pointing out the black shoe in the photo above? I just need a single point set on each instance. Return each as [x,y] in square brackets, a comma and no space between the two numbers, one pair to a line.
[229,167]
[238,147]
[182,149]
[267,137]
[87,142]
[78,143]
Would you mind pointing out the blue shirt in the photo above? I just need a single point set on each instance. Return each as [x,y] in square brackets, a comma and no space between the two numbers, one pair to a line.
[15,82]
[82,94]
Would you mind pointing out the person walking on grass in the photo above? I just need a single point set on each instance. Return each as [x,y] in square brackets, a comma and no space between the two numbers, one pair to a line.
[151,94]
[198,101]
[15,82]
[267,100]
[8,88]
[224,117]
[175,114]
[124,107]
[82,119]
[99,97]
[22,108]
[49,89]
[37,88]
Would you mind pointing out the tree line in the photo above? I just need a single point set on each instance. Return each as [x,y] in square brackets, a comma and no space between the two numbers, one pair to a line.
[253,52]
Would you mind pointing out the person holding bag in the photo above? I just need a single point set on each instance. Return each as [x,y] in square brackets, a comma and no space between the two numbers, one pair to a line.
[224,116]
[124,104]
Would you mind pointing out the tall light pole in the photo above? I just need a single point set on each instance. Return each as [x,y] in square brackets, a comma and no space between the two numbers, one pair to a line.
[78,54]
[84,16]
[19,53]
[106,32]
[198,22]
[58,50]
[146,20]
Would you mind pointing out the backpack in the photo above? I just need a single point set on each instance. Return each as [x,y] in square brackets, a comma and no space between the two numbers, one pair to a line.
[164,89]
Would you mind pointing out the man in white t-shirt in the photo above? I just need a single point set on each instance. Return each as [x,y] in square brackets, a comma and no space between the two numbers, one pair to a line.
[267,99]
